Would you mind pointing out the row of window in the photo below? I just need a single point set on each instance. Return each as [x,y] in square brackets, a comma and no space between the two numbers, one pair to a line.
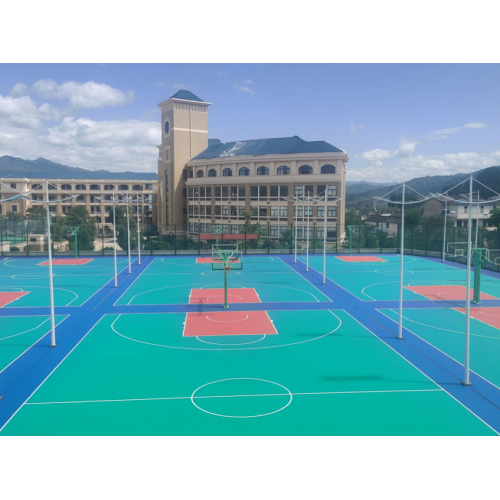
[260,212]
[244,171]
[95,187]
[259,192]
[274,231]
[83,198]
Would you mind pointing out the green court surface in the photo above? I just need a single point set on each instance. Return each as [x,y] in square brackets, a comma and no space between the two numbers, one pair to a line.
[19,333]
[170,281]
[73,284]
[444,328]
[323,374]
[380,280]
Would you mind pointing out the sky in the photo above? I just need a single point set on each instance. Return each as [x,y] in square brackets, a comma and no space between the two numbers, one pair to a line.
[395,121]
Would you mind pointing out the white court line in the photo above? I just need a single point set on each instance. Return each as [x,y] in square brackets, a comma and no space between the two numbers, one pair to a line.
[133,281]
[26,350]
[307,281]
[45,379]
[32,286]
[233,321]
[233,396]
[204,349]
[410,363]
[437,348]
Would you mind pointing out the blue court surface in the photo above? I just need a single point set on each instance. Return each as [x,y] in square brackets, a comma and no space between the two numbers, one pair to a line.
[158,354]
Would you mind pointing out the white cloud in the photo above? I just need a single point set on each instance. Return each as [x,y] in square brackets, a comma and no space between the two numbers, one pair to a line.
[21,112]
[377,154]
[475,125]
[19,90]
[246,89]
[354,129]
[248,82]
[454,130]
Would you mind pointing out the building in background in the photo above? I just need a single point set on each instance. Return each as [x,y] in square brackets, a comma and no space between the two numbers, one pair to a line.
[94,195]
[204,182]
[459,214]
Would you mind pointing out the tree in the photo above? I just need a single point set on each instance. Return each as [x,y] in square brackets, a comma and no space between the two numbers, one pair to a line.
[413,216]
[351,218]
[78,216]
[121,228]
[494,220]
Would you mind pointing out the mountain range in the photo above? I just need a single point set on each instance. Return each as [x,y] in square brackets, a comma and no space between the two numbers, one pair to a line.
[11,167]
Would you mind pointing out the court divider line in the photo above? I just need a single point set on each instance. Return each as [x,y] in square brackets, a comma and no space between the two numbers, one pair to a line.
[134,280]
[233,396]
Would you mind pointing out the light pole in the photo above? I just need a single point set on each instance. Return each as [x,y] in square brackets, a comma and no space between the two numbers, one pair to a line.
[128,235]
[51,278]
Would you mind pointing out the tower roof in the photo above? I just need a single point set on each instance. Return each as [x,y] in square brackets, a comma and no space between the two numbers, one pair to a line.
[186,95]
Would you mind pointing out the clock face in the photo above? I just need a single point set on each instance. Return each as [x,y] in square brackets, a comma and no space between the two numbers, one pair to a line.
[167,127]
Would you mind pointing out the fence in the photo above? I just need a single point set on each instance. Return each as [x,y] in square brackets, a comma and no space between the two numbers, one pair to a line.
[29,237]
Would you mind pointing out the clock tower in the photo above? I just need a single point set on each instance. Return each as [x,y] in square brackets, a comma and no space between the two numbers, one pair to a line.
[184,134]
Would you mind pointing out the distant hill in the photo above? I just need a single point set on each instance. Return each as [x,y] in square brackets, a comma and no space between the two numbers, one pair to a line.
[358,187]
[435,184]
[11,167]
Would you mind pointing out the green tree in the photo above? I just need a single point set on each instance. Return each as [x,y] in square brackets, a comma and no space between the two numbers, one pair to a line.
[413,216]
[78,216]
[494,220]
[121,229]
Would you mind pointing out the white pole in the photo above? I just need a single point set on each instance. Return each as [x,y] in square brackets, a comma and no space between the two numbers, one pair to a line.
[477,217]
[128,236]
[444,230]
[295,227]
[307,241]
[467,290]
[138,232]
[51,279]
[114,239]
[324,242]
[400,325]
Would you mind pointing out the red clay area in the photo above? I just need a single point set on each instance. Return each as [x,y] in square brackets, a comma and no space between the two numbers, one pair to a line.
[488,315]
[360,258]
[445,292]
[66,262]
[8,297]
[228,323]
[216,295]
[208,260]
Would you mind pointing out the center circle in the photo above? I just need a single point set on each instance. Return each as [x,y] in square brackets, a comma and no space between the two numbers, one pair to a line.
[241,398]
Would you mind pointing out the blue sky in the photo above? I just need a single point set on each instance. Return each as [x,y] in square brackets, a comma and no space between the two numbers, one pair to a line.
[396,121]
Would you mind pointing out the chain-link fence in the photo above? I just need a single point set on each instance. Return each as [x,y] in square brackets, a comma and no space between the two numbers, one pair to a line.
[29,237]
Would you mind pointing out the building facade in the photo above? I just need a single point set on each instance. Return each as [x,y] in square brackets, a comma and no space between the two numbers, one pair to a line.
[95,195]
[205,182]
[459,214]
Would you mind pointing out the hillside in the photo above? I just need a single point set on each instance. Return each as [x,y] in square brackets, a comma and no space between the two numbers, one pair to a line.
[358,187]
[435,184]
[11,167]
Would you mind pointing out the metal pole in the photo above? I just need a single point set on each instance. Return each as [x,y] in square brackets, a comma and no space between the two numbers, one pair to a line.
[307,241]
[444,231]
[138,232]
[225,286]
[295,227]
[350,234]
[401,270]
[128,236]
[467,290]
[51,279]
[477,217]
[76,244]
[324,243]
[114,239]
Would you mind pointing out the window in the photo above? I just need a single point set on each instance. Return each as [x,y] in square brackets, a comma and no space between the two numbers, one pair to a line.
[332,191]
[66,187]
[200,173]
[107,187]
[227,172]
[218,211]
[254,192]
[321,189]
[254,212]
[191,192]
[209,193]
[321,212]
[283,170]
[274,191]
[244,171]
[13,208]
[185,174]
[274,211]
[225,192]
[283,191]
[123,187]
[283,212]
[149,187]
[263,191]
[241,192]
[262,211]
[212,173]
[94,187]
[299,190]
[13,186]
[184,192]
[83,187]
[328,169]
[202,192]
[305,170]
[136,187]
[308,211]
[331,232]
[234,211]
[234,192]
[80,198]
[262,171]
[273,231]
[39,186]
[332,212]
[309,190]
[190,173]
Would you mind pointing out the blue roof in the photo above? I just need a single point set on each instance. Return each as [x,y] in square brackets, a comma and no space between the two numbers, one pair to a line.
[213,142]
[260,147]
[186,96]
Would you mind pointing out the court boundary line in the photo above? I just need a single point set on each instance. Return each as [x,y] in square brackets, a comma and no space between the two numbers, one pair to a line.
[425,375]
[133,281]
[437,348]
[34,343]
[53,370]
